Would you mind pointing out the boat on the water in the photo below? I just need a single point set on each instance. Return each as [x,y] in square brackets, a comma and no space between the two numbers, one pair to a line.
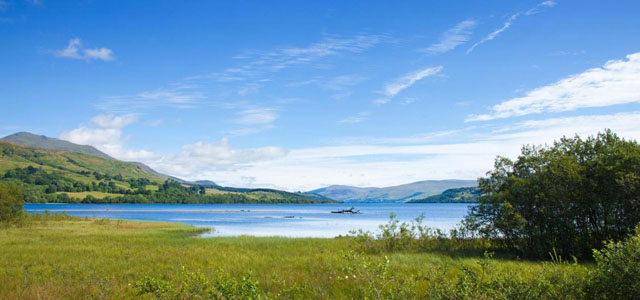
[351,210]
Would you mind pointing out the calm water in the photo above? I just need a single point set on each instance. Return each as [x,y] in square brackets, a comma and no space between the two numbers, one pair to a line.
[291,220]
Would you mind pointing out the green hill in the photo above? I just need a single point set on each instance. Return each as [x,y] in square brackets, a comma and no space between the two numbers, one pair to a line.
[457,195]
[41,141]
[55,176]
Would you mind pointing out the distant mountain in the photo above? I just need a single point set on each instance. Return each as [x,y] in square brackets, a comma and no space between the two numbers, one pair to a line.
[400,193]
[41,141]
[457,195]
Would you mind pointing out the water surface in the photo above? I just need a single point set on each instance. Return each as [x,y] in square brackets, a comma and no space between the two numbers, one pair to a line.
[291,220]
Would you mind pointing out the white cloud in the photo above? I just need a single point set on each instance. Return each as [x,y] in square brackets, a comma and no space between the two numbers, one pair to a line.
[217,156]
[396,86]
[75,50]
[538,7]
[534,10]
[256,116]
[453,37]
[617,82]
[105,133]
[179,96]
[278,59]
[154,123]
[464,154]
[115,122]
[341,82]
[357,118]
[383,165]
[495,33]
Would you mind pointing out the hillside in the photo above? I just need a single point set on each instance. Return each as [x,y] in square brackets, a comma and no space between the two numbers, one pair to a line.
[41,141]
[400,193]
[457,195]
[46,175]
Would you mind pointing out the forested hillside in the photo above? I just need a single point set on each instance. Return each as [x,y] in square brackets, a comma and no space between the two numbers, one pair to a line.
[52,176]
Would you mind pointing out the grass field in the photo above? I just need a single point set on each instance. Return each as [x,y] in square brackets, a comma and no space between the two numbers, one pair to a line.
[68,258]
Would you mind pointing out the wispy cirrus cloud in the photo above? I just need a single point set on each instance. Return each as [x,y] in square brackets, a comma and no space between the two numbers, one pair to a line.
[357,118]
[538,8]
[75,50]
[617,82]
[534,10]
[251,120]
[256,116]
[259,63]
[396,86]
[453,37]
[495,33]
[178,96]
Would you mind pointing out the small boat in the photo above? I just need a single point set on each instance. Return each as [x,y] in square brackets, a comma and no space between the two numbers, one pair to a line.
[351,210]
[289,217]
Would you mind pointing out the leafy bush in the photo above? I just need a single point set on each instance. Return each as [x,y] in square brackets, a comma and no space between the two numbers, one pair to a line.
[11,203]
[196,285]
[617,274]
[414,236]
[569,197]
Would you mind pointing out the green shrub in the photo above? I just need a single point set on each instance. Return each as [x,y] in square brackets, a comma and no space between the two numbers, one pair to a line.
[196,285]
[11,203]
[617,274]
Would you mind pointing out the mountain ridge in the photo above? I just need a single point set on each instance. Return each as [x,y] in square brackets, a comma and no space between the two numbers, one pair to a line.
[398,193]
[45,142]
[42,141]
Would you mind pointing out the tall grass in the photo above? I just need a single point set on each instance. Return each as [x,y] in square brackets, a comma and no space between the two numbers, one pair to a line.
[60,257]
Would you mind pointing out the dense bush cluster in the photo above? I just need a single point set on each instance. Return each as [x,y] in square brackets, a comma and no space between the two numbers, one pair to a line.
[569,197]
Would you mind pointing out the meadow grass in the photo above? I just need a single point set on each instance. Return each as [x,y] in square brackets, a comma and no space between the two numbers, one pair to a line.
[69,258]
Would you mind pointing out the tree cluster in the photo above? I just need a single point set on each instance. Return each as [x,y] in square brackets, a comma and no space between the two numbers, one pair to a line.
[569,197]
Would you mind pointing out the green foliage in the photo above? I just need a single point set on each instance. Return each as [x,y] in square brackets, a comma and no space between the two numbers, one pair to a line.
[617,275]
[102,259]
[196,285]
[159,288]
[414,236]
[569,197]
[10,204]
[375,273]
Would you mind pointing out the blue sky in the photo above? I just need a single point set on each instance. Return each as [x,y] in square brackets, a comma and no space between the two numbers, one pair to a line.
[299,95]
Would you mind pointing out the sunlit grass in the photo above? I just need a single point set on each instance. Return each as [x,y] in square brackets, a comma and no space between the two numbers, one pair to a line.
[88,258]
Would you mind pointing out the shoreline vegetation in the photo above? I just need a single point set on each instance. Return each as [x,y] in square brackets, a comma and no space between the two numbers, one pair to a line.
[116,259]
[559,222]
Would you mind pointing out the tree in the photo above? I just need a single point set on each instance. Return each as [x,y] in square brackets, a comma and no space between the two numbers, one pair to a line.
[569,197]
[11,202]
